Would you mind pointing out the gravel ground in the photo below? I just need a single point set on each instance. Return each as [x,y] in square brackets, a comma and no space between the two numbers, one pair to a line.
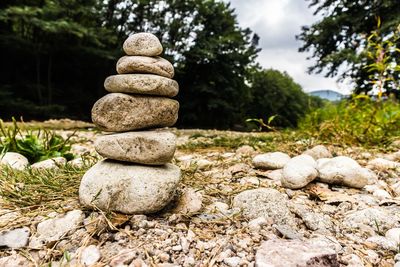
[204,227]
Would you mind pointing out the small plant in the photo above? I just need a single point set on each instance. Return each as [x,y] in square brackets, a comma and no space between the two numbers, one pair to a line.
[262,125]
[34,145]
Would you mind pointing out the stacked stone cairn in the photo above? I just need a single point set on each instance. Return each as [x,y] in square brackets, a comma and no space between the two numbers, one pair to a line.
[135,177]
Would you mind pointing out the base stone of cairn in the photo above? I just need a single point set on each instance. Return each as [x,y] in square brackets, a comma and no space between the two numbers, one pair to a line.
[135,177]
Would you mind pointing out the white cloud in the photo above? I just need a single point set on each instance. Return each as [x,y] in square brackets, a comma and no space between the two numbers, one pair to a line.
[277,22]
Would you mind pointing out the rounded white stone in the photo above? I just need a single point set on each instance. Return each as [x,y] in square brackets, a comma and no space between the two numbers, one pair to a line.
[129,188]
[271,161]
[14,160]
[299,171]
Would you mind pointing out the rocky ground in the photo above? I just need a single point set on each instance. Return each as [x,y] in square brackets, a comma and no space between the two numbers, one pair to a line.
[232,209]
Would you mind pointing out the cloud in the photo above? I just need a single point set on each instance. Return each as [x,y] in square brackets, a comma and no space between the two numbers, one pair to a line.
[277,22]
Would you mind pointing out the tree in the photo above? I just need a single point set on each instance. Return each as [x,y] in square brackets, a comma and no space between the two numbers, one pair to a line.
[210,51]
[276,94]
[341,35]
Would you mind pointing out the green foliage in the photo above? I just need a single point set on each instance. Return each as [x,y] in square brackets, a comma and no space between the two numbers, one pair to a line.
[359,120]
[35,146]
[384,71]
[337,39]
[275,95]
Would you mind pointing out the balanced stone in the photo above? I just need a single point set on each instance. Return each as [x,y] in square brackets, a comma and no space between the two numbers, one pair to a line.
[117,112]
[148,84]
[142,44]
[141,64]
[147,147]
[128,188]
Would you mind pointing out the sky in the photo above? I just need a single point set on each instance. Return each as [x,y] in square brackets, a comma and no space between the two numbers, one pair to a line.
[277,22]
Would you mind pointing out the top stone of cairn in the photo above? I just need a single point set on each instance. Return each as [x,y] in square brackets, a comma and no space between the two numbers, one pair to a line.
[142,44]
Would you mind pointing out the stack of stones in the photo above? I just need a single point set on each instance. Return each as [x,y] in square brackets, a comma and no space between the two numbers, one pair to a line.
[136,176]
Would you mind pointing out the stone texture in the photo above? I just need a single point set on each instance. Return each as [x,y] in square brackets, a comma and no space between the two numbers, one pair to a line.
[16,238]
[118,112]
[147,147]
[90,255]
[381,164]
[318,152]
[49,164]
[264,202]
[141,64]
[129,188]
[146,84]
[299,171]
[294,253]
[271,161]
[189,202]
[344,170]
[142,44]
[372,217]
[53,229]
[14,160]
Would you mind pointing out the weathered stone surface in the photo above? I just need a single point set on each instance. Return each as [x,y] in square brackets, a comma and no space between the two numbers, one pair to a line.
[294,253]
[381,164]
[16,238]
[53,229]
[118,112]
[146,84]
[140,64]
[344,170]
[49,164]
[128,188]
[189,202]
[271,161]
[142,44]
[264,202]
[14,160]
[147,147]
[318,152]
[299,171]
[372,217]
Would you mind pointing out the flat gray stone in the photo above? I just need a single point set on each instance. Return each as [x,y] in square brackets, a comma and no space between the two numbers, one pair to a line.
[53,229]
[118,112]
[16,238]
[147,147]
[264,202]
[294,253]
[142,44]
[141,64]
[129,188]
[146,84]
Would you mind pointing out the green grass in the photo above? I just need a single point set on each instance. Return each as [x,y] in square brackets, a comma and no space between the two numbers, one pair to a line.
[46,187]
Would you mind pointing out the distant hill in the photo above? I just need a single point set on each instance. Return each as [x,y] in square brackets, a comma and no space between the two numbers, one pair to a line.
[327,94]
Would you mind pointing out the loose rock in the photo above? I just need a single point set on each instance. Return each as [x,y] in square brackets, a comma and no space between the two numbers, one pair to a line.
[271,161]
[14,160]
[90,255]
[264,202]
[49,164]
[147,84]
[143,65]
[118,112]
[299,172]
[53,229]
[189,202]
[128,188]
[147,147]
[318,152]
[382,164]
[142,44]
[294,253]
[16,238]
[343,170]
